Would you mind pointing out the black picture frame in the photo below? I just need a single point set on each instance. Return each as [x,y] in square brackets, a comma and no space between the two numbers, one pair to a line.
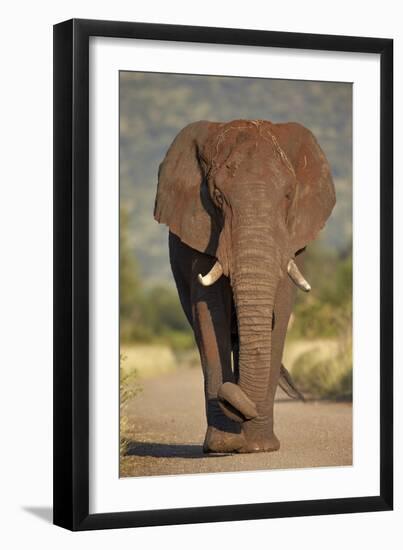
[72,285]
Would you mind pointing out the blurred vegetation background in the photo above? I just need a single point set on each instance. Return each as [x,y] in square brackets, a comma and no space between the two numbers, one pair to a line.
[155,335]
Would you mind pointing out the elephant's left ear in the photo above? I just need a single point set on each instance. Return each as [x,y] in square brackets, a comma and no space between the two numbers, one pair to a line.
[181,201]
[314,195]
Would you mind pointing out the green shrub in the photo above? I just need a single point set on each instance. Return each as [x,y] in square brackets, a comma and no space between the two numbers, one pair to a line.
[178,340]
[128,389]
[327,310]
[325,377]
[148,314]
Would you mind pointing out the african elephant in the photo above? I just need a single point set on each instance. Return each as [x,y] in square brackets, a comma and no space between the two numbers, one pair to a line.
[242,199]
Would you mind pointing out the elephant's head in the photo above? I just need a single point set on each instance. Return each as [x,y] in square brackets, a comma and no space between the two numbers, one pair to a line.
[252,194]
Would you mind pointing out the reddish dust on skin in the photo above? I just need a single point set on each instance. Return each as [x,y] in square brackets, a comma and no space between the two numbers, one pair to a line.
[250,195]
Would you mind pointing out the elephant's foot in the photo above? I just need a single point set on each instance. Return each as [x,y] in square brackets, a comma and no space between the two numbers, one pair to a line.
[259,437]
[218,441]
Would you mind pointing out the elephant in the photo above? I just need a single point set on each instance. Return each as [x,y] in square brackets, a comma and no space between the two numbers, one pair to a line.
[242,200]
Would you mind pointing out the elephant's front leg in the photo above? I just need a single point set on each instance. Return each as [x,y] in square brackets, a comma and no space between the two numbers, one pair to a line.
[211,310]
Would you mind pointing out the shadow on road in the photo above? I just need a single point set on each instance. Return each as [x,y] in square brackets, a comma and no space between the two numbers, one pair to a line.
[167,450]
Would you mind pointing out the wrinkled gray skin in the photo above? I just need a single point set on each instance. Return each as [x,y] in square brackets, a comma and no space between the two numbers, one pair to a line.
[250,194]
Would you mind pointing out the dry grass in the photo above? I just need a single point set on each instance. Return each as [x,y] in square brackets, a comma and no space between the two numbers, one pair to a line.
[322,368]
[322,347]
[128,389]
[147,360]
[153,360]
[138,362]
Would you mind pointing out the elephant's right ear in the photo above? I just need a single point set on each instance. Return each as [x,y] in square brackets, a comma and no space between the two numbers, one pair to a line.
[179,200]
[314,196]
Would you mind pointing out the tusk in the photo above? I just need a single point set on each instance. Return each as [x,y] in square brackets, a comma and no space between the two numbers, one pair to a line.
[212,276]
[297,277]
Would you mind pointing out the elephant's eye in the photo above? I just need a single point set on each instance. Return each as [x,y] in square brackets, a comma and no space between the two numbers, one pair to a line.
[289,195]
[218,197]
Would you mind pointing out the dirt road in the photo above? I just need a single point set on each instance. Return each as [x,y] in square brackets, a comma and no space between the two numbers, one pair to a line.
[167,427]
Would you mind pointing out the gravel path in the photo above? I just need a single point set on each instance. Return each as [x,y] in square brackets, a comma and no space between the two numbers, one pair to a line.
[168,421]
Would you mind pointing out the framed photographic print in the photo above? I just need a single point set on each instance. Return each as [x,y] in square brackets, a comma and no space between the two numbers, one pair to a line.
[223,274]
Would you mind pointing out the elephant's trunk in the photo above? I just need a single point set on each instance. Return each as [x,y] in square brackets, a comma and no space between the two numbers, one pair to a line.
[255,276]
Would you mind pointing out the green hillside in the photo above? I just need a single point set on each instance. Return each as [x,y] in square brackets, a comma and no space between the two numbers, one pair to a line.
[154,107]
